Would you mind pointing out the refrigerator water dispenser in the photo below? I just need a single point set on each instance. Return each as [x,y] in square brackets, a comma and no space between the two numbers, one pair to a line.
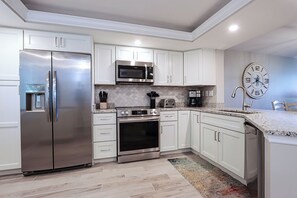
[35,97]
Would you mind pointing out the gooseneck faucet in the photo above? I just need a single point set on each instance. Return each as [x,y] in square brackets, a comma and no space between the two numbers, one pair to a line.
[244,104]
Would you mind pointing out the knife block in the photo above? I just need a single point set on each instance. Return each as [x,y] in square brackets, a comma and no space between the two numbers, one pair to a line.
[103,105]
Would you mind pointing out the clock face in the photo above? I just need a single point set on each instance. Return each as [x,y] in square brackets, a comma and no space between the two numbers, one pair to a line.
[255,79]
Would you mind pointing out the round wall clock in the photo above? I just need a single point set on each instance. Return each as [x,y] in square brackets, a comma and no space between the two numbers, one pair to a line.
[255,79]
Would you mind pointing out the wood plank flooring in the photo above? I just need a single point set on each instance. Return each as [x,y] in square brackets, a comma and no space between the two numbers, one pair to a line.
[144,179]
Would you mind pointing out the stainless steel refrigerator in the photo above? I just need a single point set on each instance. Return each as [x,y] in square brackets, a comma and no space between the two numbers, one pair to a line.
[55,92]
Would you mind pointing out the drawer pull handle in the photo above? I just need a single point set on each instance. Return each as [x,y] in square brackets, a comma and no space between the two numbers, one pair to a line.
[104,118]
[104,133]
[104,150]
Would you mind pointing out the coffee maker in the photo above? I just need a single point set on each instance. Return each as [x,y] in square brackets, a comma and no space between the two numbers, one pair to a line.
[195,98]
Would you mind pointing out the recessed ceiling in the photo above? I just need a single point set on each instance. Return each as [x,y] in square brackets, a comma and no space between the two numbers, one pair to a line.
[169,14]
[281,42]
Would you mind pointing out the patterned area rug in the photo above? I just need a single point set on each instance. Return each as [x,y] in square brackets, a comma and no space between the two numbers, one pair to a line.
[209,180]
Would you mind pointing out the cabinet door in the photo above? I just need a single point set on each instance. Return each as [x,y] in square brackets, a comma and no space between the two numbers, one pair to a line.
[195,131]
[184,129]
[11,41]
[176,68]
[209,144]
[75,43]
[161,67]
[168,136]
[10,144]
[105,64]
[143,55]
[41,40]
[231,151]
[193,67]
[124,53]
[209,67]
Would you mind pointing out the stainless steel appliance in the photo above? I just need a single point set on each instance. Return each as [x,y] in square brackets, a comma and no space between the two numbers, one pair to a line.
[167,103]
[195,98]
[134,72]
[55,94]
[138,134]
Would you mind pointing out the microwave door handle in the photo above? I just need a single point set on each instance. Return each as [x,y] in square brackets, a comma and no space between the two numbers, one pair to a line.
[146,74]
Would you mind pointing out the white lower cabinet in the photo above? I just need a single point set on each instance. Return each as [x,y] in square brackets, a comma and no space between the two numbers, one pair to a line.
[10,142]
[184,129]
[225,147]
[195,131]
[168,131]
[104,135]
[168,136]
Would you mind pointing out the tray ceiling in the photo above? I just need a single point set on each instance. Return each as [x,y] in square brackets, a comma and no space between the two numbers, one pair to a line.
[168,14]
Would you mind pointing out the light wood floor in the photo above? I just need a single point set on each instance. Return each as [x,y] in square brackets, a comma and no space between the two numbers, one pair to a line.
[144,179]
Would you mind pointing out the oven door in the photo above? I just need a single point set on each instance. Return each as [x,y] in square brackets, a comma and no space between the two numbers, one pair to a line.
[138,135]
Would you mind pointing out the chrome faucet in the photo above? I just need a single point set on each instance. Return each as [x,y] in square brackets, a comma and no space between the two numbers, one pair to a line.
[244,104]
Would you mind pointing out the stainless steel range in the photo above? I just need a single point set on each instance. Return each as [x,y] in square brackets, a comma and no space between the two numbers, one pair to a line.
[138,134]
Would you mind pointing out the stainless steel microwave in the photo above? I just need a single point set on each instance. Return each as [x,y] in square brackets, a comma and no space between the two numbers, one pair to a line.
[134,72]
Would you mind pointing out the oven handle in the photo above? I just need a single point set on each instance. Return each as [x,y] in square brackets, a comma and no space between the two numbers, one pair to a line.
[138,119]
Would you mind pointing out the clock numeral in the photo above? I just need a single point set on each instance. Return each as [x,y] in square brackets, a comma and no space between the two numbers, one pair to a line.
[247,80]
[257,93]
[257,68]
[262,91]
[262,69]
[266,80]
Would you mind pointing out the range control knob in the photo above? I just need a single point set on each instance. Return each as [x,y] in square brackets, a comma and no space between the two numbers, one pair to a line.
[126,113]
[122,113]
[153,111]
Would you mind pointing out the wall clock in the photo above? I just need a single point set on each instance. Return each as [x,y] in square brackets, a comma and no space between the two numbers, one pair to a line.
[255,79]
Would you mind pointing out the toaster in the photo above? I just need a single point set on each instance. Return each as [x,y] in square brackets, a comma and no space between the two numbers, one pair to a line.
[167,103]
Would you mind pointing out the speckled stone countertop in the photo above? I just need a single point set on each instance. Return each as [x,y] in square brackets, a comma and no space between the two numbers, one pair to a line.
[280,123]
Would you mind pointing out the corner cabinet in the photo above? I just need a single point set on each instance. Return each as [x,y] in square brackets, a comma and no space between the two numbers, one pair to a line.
[168,68]
[104,64]
[184,129]
[200,67]
[169,133]
[134,53]
[52,41]
[223,141]
[195,131]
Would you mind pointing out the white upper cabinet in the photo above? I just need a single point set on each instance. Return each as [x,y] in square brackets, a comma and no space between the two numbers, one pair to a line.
[168,68]
[200,67]
[193,68]
[12,42]
[57,41]
[134,53]
[105,64]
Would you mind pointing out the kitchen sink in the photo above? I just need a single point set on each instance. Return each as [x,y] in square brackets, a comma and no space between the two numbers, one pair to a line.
[238,111]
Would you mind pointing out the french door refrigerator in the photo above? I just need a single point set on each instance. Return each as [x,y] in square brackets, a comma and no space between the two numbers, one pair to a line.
[55,92]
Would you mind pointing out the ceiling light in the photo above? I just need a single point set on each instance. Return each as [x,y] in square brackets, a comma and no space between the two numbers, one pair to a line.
[137,42]
[233,28]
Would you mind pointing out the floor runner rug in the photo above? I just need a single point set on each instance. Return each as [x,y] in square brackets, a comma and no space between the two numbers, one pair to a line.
[209,180]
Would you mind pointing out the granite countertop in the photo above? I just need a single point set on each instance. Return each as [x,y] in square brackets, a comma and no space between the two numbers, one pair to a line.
[280,123]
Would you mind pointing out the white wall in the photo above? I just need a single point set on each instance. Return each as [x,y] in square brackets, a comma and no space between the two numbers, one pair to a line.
[282,71]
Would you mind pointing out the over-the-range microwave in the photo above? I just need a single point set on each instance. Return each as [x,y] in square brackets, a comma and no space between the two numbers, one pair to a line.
[134,72]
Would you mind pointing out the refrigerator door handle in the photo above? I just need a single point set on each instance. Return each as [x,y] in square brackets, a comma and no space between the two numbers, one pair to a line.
[55,106]
[47,96]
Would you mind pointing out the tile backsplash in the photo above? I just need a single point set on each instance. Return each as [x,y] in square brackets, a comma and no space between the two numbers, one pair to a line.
[135,95]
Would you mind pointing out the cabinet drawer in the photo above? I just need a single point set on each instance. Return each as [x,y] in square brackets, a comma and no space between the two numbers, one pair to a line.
[227,122]
[104,132]
[168,116]
[105,149]
[105,118]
